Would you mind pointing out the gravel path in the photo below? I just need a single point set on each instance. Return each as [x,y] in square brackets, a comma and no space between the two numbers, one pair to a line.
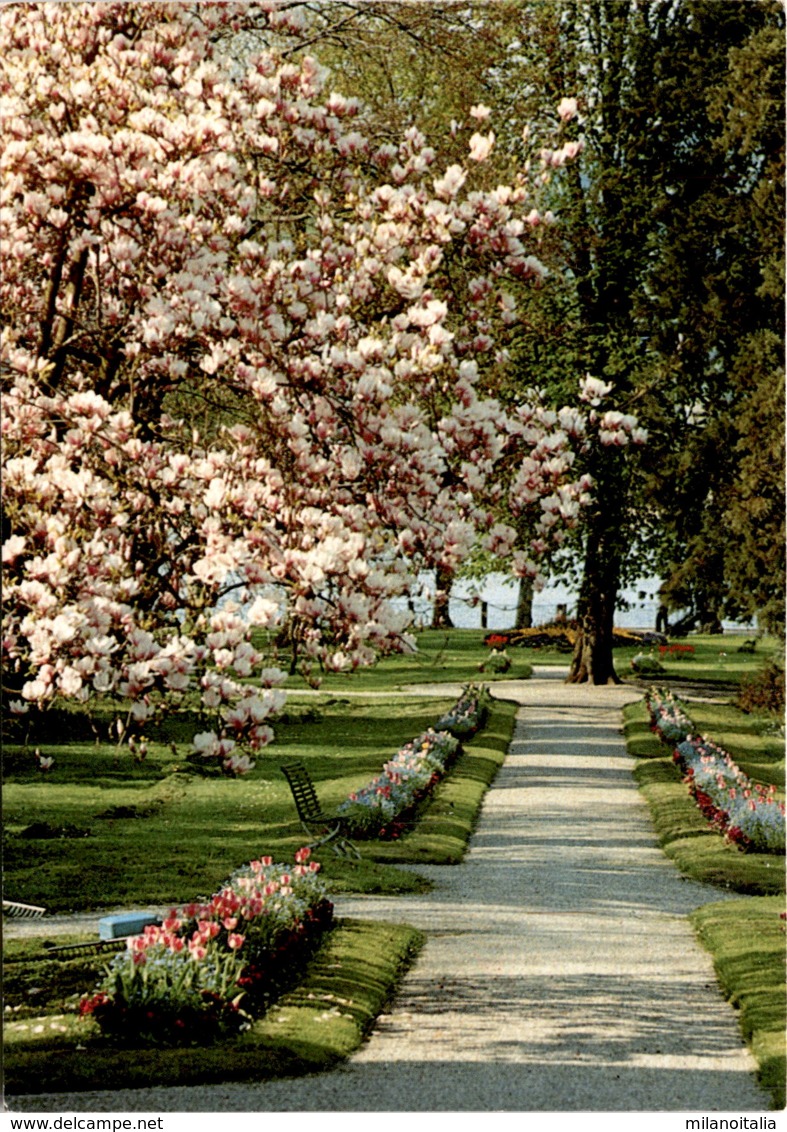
[560,972]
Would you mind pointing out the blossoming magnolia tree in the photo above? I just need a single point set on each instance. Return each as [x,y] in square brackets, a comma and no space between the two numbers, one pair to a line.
[184,232]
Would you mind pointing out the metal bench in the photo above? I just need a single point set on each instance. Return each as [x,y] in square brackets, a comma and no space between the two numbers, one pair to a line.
[323,828]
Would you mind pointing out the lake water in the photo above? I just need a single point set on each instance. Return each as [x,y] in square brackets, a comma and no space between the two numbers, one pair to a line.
[500,594]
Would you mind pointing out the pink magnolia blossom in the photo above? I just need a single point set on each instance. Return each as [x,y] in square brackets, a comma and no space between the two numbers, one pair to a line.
[152,210]
[481,146]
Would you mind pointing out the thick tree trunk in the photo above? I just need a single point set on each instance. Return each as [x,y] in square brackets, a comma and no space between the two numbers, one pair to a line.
[524,604]
[441,618]
[592,662]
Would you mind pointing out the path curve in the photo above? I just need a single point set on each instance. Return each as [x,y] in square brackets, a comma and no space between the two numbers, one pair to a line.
[560,972]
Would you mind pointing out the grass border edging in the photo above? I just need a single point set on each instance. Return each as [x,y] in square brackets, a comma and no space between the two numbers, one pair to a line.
[318,1024]
[747,942]
[696,849]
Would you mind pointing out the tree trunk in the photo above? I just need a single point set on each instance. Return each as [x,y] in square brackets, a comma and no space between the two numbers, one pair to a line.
[524,604]
[441,618]
[592,662]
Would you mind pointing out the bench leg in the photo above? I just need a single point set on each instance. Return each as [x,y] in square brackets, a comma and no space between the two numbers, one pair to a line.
[341,846]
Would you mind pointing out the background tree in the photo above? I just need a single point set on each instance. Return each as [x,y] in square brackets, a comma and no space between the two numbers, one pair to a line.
[728,552]
[662,270]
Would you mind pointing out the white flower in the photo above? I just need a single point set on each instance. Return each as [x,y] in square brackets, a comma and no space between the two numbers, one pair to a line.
[216,493]
[450,183]
[36,690]
[481,146]
[592,389]
[206,743]
[535,266]
[271,677]
[567,109]
[70,681]
[433,312]
[238,764]
[13,547]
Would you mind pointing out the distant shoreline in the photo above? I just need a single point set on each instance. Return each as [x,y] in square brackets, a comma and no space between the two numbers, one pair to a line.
[499,592]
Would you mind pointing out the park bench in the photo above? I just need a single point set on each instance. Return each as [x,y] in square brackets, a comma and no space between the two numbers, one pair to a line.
[322,828]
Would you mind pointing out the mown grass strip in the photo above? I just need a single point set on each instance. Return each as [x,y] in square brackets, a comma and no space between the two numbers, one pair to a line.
[747,941]
[685,836]
[313,1027]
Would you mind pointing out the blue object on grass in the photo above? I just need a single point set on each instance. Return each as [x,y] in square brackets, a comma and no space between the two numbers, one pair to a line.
[125,923]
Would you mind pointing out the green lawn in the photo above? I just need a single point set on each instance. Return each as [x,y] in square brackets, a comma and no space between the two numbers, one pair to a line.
[442,656]
[158,833]
[716,659]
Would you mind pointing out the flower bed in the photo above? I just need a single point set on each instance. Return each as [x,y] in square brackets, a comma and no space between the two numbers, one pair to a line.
[747,813]
[209,967]
[676,650]
[382,808]
[496,640]
[667,717]
[468,713]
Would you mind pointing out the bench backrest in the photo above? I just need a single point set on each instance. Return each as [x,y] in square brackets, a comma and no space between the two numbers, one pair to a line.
[302,787]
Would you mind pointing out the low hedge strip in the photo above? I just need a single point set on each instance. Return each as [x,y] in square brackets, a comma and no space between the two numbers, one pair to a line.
[746,939]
